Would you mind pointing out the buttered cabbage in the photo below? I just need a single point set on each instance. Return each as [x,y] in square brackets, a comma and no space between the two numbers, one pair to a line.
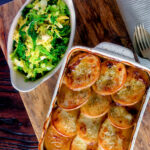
[41,37]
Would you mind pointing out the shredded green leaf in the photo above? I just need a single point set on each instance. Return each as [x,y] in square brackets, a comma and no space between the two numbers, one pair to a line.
[41,37]
[32,33]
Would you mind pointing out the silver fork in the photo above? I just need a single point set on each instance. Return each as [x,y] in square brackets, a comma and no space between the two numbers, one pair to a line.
[141,41]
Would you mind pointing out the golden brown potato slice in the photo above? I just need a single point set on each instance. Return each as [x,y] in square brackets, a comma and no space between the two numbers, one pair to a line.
[111,138]
[96,106]
[54,141]
[92,146]
[65,122]
[125,135]
[87,128]
[99,148]
[79,144]
[120,117]
[70,100]
[108,138]
[82,71]
[112,78]
[134,88]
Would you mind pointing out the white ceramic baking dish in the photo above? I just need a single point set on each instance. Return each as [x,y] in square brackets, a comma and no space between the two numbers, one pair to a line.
[18,79]
[106,50]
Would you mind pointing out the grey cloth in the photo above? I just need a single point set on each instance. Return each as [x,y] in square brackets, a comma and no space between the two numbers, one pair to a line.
[135,12]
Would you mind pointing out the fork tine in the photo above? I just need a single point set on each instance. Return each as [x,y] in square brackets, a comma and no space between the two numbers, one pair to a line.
[144,37]
[138,47]
[141,41]
[140,38]
[135,42]
[137,38]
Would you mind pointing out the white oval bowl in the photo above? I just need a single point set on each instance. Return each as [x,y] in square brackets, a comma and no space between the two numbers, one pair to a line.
[18,79]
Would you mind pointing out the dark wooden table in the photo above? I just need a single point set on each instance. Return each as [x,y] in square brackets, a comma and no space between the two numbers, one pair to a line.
[97,21]
[16,131]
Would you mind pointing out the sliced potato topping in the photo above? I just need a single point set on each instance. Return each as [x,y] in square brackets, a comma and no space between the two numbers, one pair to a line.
[111,79]
[69,100]
[65,122]
[79,144]
[82,71]
[120,117]
[54,141]
[87,128]
[111,138]
[96,106]
[133,89]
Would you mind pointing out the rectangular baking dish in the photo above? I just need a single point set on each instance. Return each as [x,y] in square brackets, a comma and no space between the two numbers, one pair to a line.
[109,51]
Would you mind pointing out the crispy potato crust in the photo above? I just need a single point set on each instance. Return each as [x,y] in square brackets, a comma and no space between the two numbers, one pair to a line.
[54,141]
[96,106]
[79,144]
[120,117]
[87,128]
[133,89]
[111,79]
[92,146]
[111,138]
[82,71]
[70,100]
[65,122]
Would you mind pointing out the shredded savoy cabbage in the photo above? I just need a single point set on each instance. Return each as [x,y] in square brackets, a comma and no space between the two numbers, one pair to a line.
[41,37]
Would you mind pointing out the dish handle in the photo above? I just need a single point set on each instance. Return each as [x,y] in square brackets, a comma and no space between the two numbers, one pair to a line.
[123,52]
[116,49]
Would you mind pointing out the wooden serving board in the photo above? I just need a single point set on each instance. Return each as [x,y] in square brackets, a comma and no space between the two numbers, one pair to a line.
[97,21]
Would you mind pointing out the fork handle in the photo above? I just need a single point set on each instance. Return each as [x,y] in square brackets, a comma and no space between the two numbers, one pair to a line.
[147,54]
[2,38]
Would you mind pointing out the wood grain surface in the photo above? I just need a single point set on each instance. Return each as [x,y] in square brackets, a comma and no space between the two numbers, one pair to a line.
[16,131]
[97,21]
